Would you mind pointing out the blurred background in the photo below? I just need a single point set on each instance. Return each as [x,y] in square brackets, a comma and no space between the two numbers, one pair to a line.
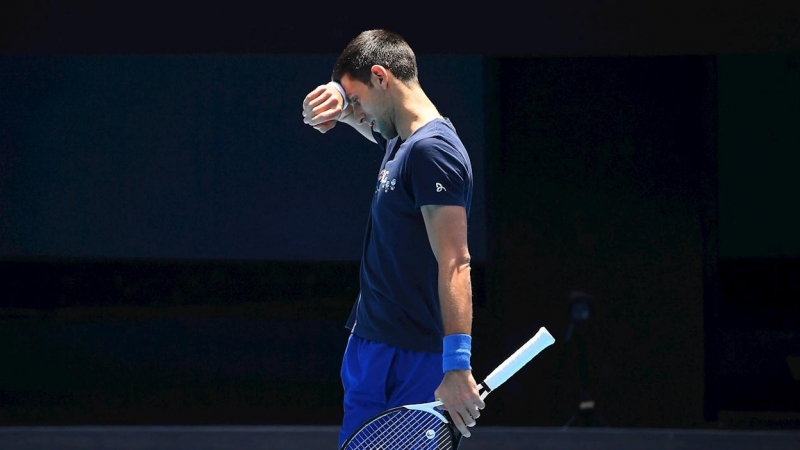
[177,247]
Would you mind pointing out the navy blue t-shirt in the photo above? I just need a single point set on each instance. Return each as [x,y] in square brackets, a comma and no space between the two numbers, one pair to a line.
[398,302]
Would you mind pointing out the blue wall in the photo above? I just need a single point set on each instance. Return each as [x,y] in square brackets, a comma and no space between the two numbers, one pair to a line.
[184,157]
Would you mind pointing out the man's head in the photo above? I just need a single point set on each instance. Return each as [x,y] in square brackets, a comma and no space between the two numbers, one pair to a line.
[373,70]
[376,47]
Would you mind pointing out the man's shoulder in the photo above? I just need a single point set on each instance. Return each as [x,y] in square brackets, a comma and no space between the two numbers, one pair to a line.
[436,133]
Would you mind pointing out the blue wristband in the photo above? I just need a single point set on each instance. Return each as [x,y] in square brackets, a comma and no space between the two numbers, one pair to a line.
[456,352]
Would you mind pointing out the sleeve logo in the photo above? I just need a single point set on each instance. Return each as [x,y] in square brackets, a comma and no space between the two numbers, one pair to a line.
[439,187]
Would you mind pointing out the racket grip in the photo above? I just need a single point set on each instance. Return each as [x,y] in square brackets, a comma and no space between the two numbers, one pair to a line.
[541,340]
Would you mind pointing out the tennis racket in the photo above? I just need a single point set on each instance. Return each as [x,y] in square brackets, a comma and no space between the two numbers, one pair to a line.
[425,426]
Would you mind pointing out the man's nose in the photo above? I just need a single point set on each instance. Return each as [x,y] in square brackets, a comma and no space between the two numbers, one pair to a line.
[359,113]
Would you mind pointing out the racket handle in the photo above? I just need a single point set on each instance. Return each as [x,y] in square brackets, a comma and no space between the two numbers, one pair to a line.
[541,340]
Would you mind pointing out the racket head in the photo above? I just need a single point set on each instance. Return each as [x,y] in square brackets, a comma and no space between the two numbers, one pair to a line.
[418,427]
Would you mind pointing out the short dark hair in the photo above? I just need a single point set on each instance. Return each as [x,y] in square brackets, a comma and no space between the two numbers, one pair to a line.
[380,47]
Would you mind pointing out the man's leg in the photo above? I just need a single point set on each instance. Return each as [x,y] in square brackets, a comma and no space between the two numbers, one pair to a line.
[413,379]
[365,367]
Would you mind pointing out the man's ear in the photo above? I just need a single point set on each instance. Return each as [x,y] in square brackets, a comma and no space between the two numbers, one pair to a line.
[380,76]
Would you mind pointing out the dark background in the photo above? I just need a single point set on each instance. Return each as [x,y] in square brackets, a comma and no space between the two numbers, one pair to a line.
[177,247]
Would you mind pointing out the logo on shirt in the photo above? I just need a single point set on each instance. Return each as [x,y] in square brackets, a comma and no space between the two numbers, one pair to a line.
[439,187]
[384,182]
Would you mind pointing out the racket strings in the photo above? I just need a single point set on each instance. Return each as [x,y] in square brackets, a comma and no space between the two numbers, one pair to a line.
[404,429]
[395,429]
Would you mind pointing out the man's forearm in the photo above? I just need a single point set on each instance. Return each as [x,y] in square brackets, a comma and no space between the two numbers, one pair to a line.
[455,299]
[349,118]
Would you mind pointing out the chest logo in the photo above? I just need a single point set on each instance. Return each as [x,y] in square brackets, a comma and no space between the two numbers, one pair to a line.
[384,183]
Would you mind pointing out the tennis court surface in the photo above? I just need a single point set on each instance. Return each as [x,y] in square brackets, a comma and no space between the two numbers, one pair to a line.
[324,438]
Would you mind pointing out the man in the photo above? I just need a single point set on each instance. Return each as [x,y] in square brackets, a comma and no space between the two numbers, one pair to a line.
[411,325]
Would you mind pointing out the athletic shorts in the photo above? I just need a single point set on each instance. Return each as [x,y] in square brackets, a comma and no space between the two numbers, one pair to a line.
[377,377]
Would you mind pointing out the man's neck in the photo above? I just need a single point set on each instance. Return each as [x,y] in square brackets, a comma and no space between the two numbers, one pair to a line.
[415,110]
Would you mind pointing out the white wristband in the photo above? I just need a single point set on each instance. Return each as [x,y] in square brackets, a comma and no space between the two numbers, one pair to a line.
[341,91]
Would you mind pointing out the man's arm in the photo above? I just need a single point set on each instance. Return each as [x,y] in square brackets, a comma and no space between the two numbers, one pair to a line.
[447,232]
[349,118]
[322,109]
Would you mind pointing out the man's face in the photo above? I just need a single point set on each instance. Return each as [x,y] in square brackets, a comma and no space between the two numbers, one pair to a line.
[370,105]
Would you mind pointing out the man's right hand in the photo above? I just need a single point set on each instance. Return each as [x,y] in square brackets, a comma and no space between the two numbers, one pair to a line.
[322,107]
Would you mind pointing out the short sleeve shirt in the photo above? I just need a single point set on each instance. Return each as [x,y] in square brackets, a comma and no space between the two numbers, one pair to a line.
[398,302]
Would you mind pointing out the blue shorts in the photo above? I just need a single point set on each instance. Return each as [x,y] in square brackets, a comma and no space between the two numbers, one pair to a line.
[377,377]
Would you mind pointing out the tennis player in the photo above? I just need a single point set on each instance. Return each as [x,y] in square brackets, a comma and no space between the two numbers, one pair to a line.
[411,325]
